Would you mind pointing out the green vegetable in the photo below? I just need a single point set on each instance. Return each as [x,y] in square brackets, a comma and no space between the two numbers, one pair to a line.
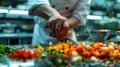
[105,60]
[5,50]
[47,50]
[43,56]
[53,52]
[53,49]
[83,59]
[111,59]
[61,51]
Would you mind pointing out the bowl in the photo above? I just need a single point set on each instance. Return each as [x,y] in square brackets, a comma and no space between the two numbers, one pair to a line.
[8,27]
[115,39]
[99,35]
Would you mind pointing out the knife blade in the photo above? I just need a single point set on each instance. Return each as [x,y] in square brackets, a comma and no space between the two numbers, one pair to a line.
[73,42]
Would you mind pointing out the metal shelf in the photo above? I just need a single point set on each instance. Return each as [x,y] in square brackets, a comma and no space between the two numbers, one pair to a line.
[15,35]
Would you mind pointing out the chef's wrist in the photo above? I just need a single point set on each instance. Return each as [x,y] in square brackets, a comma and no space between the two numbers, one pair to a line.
[53,17]
[73,22]
[45,11]
[70,24]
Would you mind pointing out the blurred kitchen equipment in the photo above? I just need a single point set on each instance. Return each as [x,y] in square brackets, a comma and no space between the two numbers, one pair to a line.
[116,39]
[99,35]
[0,28]
[81,33]
[21,7]
[27,27]
[98,4]
[8,27]
[99,13]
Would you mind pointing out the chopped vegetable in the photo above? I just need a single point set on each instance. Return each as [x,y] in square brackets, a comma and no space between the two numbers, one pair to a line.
[4,50]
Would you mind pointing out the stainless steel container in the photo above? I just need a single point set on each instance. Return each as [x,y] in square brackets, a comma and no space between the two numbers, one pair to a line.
[99,35]
[8,28]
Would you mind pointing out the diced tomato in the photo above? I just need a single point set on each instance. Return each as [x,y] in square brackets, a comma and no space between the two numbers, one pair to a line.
[102,55]
[86,54]
[74,46]
[19,52]
[11,55]
[30,55]
[118,48]
[25,57]
[116,54]
[37,53]
[31,46]
[66,51]
[79,48]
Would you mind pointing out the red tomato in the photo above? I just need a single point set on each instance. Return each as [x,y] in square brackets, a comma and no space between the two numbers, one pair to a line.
[11,55]
[118,48]
[74,46]
[86,54]
[92,53]
[79,48]
[24,51]
[15,56]
[19,52]
[30,55]
[116,54]
[25,57]
[102,55]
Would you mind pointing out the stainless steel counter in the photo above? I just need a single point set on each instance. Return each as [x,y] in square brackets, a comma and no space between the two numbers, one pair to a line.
[9,63]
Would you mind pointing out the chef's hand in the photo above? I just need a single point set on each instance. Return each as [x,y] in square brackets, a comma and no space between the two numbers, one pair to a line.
[59,27]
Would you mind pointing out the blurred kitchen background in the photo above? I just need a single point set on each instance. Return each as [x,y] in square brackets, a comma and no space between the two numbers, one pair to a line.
[16,26]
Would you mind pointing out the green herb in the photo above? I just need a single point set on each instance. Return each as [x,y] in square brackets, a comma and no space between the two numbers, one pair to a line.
[111,59]
[53,49]
[83,59]
[61,51]
[5,50]
[105,60]
[47,51]
[35,46]
[43,56]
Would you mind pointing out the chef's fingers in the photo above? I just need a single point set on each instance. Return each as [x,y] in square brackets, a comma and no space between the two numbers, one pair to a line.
[64,31]
[49,25]
[58,28]
[52,26]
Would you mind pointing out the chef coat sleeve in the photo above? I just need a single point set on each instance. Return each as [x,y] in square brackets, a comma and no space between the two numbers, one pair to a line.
[81,10]
[33,3]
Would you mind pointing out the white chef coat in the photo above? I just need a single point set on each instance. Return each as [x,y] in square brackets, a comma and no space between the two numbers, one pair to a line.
[67,8]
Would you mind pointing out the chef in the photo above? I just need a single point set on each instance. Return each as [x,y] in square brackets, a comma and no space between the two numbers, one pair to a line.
[55,20]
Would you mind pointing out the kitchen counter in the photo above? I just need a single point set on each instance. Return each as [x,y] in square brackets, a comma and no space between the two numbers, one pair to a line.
[8,63]
[32,64]
[5,61]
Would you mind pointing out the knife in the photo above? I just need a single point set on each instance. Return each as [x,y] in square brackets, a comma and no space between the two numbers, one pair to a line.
[73,42]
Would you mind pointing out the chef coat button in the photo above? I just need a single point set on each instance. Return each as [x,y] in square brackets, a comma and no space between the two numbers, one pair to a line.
[51,34]
[46,26]
[66,8]
[53,6]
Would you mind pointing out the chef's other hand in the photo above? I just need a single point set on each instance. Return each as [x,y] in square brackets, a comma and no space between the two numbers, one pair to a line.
[59,27]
